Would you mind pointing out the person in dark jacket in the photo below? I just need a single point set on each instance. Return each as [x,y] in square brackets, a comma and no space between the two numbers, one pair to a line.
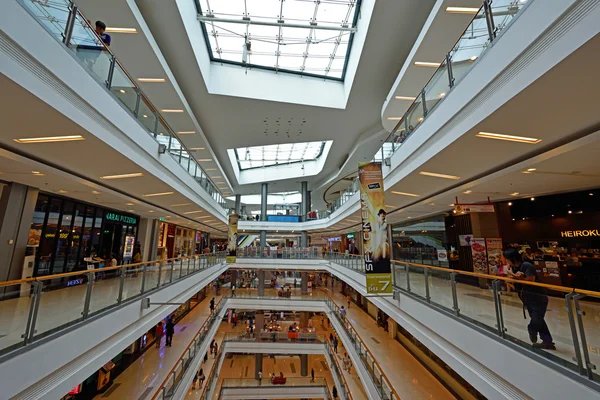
[170,331]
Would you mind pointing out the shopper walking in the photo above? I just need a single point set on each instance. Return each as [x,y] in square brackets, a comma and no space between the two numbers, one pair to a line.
[335,344]
[334,393]
[202,377]
[212,305]
[312,374]
[349,300]
[160,329]
[260,377]
[170,331]
[343,311]
[534,299]
[233,291]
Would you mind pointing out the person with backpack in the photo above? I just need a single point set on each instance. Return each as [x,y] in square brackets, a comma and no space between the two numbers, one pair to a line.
[534,299]
[160,330]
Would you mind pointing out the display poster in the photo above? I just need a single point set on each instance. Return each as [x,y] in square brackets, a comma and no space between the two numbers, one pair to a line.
[552,269]
[479,255]
[232,238]
[442,255]
[128,249]
[465,240]
[34,237]
[375,248]
[494,254]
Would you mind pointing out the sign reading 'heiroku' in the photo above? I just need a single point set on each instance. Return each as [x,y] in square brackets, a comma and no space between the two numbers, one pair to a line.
[374,232]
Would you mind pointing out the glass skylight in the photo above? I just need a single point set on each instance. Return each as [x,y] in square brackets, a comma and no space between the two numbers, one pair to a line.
[278,154]
[300,36]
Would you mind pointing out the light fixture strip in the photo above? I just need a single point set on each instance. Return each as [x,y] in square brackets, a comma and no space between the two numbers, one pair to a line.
[509,138]
[50,139]
[122,176]
[436,175]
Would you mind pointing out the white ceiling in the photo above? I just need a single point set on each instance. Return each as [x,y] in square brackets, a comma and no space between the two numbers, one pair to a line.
[229,122]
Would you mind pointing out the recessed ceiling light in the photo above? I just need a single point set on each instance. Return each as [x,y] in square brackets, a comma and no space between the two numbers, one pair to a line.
[405,98]
[468,192]
[170,110]
[591,194]
[50,139]
[122,176]
[151,80]
[473,58]
[420,119]
[409,217]
[130,210]
[462,10]
[35,172]
[186,132]
[509,138]
[145,116]
[150,211]
[157,194]
[443,94]
[206,216]
[210,169]
[62,191]
[193,212]
[110,29]
[204,160]
[394,118]
[514,194]
[217,177]
[510,203]
[532,199]
[196,148]
[531,169]
[405,194]
[180,205]
[436,175]
[95,192]
[570,212]
[426,64]
[122,91]
[451,205]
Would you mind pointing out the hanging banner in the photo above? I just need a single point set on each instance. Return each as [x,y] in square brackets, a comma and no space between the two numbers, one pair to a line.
[232,239]
[375,248]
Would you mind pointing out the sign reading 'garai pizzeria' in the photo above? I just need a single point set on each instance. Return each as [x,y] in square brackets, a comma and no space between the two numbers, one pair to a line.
[585,232]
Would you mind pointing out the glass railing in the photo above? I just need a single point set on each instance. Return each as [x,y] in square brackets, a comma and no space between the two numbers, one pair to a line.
[34,308]
[63,20]
[279,294]
[350,261]
[213,375]
[479,35]
[289,381]
[169,386]
[376,372]
[274,337]
[336,369]
[282,253]
[493,303]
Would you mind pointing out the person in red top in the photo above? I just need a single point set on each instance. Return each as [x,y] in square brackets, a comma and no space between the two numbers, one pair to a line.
[160,330]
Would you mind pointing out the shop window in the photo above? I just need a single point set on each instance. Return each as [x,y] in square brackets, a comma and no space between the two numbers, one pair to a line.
[63,238]
[96,234]
[86,233]
[73,261]
[48,239]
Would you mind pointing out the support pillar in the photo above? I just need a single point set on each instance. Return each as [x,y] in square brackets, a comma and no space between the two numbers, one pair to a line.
[304,203]
[238,203]
[304,283]
[304,317]
[243,210]
[304,240]
[258,361]
[234,275]
[148,234]
[261,282]
[392,328]
[259,321]
[303,364]
[264,194]
[17,205]
[263,241]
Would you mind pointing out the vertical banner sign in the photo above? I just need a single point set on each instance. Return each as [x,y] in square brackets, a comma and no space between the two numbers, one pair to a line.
[375,248]
[494,254]
[478,251]
[232,238]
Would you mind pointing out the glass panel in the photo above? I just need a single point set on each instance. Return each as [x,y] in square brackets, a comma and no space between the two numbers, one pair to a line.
[146,115]
[414,116]
[591,328]
[417,281]
[53,15]
[437,87]
[123,88]
[105,292]
[476,301]
[63,238]
[60,305]
[400,276]
[15,304]
[73,262]
[504,12]
[90,50]
[132,283]
[469,47]
[440,288]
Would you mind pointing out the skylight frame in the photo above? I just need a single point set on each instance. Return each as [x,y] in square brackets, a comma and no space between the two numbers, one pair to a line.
[357,6]
[277,163]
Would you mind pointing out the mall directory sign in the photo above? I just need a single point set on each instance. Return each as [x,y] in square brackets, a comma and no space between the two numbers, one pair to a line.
[232,238]
[376,249]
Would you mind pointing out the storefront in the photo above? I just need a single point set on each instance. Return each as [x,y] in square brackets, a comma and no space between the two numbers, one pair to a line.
[175,240]
[65,234]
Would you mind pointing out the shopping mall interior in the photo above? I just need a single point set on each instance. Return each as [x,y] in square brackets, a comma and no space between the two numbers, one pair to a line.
[299,199]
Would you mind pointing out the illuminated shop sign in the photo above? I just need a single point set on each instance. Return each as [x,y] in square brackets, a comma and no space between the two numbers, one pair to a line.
[121,218]
[585,232]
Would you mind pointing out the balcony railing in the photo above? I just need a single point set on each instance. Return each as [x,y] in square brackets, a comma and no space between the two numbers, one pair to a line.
[34,308]
[491,20]
[63,20]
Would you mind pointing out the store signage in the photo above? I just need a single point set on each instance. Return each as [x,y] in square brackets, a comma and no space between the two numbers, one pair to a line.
[374,231]
[585,232]
[334,239]
[161,219]
[232,239]
[75,282]
[121,218]
[350,236]
[470,208]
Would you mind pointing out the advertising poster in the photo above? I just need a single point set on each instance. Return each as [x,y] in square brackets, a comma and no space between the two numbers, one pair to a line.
[442,255]
[232,238]
[128,249]
[479,255]
[465,240]
[375,245]
[494,254]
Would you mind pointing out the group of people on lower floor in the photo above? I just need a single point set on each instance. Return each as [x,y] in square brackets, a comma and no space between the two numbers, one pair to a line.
[167,330]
